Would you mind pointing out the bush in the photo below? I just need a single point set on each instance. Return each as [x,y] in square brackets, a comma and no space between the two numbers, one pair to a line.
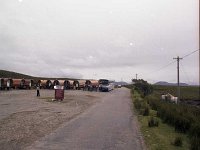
[182,124]
[195,137]
[143,87]
[178,141]
[153,122]
[146,111]
[137,104]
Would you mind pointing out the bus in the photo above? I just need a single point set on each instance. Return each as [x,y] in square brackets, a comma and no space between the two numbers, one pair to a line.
[106,85]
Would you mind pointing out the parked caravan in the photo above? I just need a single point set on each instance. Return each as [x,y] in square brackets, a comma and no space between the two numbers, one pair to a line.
[65,83]
[20,84]
[42,84]
[56,82]
[49,84]
[91,85]
[62,83]
[8,83]
[16,83]
[27,84]
[71,84]
[75,85]
[81,84]
[2,84]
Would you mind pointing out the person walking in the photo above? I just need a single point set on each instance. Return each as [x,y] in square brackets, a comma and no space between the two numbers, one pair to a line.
[38,90]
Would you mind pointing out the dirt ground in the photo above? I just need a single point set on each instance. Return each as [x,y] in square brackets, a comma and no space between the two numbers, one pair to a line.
[24,117]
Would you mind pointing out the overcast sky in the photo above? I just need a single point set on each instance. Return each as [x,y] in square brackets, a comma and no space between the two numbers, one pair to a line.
[112,39]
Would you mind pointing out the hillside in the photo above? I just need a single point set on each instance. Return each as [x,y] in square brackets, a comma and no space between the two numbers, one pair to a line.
[10,74]
[169,84]
[121,83]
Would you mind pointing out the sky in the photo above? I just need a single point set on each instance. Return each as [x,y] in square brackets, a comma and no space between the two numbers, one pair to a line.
[93,39]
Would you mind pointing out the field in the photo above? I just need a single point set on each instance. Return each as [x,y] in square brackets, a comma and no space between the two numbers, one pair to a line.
[187,92]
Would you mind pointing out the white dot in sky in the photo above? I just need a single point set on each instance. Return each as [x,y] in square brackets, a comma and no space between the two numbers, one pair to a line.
[20,1]
[131,44]
[91,57]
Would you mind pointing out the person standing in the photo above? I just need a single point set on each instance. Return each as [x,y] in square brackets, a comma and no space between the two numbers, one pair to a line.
[38,90]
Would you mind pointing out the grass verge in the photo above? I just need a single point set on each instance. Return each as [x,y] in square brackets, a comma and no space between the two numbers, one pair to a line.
[161,137]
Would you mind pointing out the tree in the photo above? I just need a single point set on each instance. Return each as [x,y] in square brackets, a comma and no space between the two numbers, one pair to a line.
[143,87]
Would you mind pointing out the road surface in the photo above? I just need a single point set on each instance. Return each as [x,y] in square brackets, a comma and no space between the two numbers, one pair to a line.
[109,125]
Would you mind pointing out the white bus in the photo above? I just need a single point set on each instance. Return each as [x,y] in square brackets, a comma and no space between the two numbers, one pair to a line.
[106,85]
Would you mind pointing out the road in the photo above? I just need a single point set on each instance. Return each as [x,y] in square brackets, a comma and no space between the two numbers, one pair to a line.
[108,125]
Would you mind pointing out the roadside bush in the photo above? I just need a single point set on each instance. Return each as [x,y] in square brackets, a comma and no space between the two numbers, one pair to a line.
[137,104]
[178,141]
[143,87]
[146,111]
[182,124]
[194,135]
[153,122]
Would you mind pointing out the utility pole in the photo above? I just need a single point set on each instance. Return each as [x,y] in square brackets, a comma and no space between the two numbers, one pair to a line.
[136,76]
[199,72]
[178,82]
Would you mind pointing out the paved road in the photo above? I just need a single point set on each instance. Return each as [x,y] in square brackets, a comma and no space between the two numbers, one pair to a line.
[109,125]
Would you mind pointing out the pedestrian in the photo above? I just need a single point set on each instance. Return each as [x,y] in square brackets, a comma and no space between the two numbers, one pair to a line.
[38,90]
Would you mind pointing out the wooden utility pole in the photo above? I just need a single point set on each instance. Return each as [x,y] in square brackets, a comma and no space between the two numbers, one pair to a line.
[178,82]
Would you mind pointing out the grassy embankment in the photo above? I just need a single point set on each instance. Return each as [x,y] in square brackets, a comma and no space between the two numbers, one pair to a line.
[157,138]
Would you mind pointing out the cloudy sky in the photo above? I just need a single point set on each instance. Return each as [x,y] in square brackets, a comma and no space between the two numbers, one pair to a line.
[112,39]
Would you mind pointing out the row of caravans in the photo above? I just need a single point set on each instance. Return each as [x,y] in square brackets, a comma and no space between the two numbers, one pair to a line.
[89,85]
[6,83]
[69,84]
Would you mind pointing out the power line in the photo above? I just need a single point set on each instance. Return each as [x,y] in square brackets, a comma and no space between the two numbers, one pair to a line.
[190,53]
[165,66]
[184,72]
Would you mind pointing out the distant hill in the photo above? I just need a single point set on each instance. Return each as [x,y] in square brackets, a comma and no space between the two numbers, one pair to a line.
[121,83]
[170,84]
[10,74]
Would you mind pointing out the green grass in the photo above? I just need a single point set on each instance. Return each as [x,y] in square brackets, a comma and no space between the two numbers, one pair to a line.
[161,137]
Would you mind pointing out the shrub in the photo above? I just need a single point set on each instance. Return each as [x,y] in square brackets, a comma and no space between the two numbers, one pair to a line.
[146,111]
[182,124]
[178,141]
[194,135]
[137,104]
[153,122]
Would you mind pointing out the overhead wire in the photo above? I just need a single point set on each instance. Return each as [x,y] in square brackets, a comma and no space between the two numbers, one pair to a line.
[184,72]
[165,66]
[161,68]
[190,53]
